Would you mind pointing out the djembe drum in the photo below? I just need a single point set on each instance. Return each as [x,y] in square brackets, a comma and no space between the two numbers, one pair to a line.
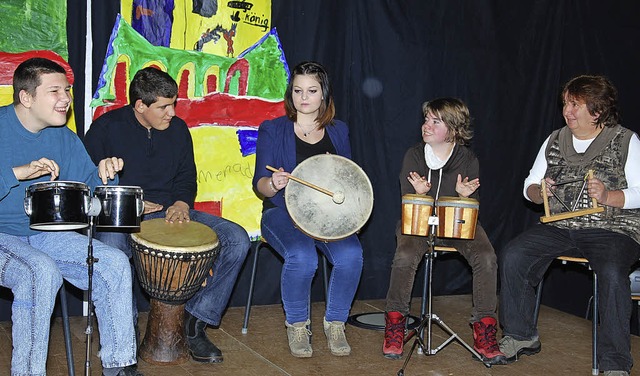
[172,261]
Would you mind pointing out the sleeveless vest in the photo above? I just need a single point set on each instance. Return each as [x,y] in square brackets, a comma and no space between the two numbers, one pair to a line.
[606,156]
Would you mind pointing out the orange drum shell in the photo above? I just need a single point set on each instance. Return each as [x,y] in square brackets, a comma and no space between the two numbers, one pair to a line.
[457,217]
[416,210]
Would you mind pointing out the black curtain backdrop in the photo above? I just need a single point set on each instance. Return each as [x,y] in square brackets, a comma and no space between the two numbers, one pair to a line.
[506,60]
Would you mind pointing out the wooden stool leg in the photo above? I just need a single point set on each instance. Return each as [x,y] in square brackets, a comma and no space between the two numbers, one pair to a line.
[164,341]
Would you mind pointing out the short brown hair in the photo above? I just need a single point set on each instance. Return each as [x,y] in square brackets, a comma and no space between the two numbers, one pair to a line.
[600,96]
[455,114]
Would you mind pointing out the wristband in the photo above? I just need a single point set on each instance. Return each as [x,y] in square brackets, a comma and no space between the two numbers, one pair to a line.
[273,187]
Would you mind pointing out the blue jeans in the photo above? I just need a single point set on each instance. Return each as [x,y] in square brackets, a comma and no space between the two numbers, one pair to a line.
[210,302]
[525,259]
[301,262]
[33,268]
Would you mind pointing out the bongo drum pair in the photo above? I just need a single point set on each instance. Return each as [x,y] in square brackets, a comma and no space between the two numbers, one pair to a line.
[457,216]
[67,206]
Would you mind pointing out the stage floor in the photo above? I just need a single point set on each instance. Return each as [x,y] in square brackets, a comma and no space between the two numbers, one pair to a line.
[263,351]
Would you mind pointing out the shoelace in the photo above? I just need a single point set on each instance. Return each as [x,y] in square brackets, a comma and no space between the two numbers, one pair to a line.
[336,331]
[488,337]
[395,335]
[299,333]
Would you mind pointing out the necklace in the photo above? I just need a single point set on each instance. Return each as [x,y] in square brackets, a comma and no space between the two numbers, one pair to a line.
[306,133]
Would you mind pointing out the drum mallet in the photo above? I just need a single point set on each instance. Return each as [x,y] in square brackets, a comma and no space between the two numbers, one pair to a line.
[337,197]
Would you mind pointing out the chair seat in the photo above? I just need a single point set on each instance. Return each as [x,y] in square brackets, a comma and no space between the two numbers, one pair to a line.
[573,259]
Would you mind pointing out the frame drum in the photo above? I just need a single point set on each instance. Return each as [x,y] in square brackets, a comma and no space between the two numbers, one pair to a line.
[315,213]
[122,206]
[457,217]
[57,205]
[172,260]
[416,210]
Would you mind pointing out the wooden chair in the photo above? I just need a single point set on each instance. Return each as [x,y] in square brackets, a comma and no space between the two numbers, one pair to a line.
[594,309]
[261,245]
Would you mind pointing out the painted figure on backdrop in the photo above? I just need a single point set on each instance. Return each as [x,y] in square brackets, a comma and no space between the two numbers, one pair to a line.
[443,165]
[594,140]
[308,129]
[38,147]
[157,147]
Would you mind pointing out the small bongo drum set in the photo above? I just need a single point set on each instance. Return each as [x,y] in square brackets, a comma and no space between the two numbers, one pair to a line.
[446,217]
[68,206]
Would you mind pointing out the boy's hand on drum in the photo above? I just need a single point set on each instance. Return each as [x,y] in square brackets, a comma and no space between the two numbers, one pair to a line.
[108,168]
[466,187]
[35,169]
[151,207]
[178,212]
[419,183]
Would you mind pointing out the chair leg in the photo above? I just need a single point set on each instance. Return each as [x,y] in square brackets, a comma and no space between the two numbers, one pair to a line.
[247,309]
[65,327]
[536,311]
[594,325]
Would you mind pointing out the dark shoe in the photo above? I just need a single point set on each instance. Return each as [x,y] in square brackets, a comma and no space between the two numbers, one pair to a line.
[200,348]
[131,370]
[512,348]
[485,342]
[395,324]
[616,373]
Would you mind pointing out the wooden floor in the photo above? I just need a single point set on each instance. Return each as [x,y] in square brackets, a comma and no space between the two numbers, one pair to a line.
[566,347]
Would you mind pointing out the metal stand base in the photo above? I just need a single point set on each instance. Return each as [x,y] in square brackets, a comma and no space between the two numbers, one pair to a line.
[426,349]
[429,318]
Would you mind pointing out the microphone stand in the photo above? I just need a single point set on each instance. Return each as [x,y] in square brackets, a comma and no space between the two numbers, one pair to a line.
[431,317]
[95,205]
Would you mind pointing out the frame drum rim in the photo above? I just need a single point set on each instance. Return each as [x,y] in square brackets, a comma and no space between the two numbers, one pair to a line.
[324,201]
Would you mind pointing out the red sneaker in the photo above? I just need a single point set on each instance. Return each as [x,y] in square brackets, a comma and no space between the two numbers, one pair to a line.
[485,342]
[394,328]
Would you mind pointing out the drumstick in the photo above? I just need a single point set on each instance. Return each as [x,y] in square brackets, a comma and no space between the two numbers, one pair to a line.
[337,197]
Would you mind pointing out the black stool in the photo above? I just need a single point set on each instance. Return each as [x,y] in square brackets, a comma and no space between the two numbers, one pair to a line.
[247,311]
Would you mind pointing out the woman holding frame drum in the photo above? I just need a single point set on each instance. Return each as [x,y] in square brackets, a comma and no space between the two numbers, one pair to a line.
[439,166]
[308,129]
